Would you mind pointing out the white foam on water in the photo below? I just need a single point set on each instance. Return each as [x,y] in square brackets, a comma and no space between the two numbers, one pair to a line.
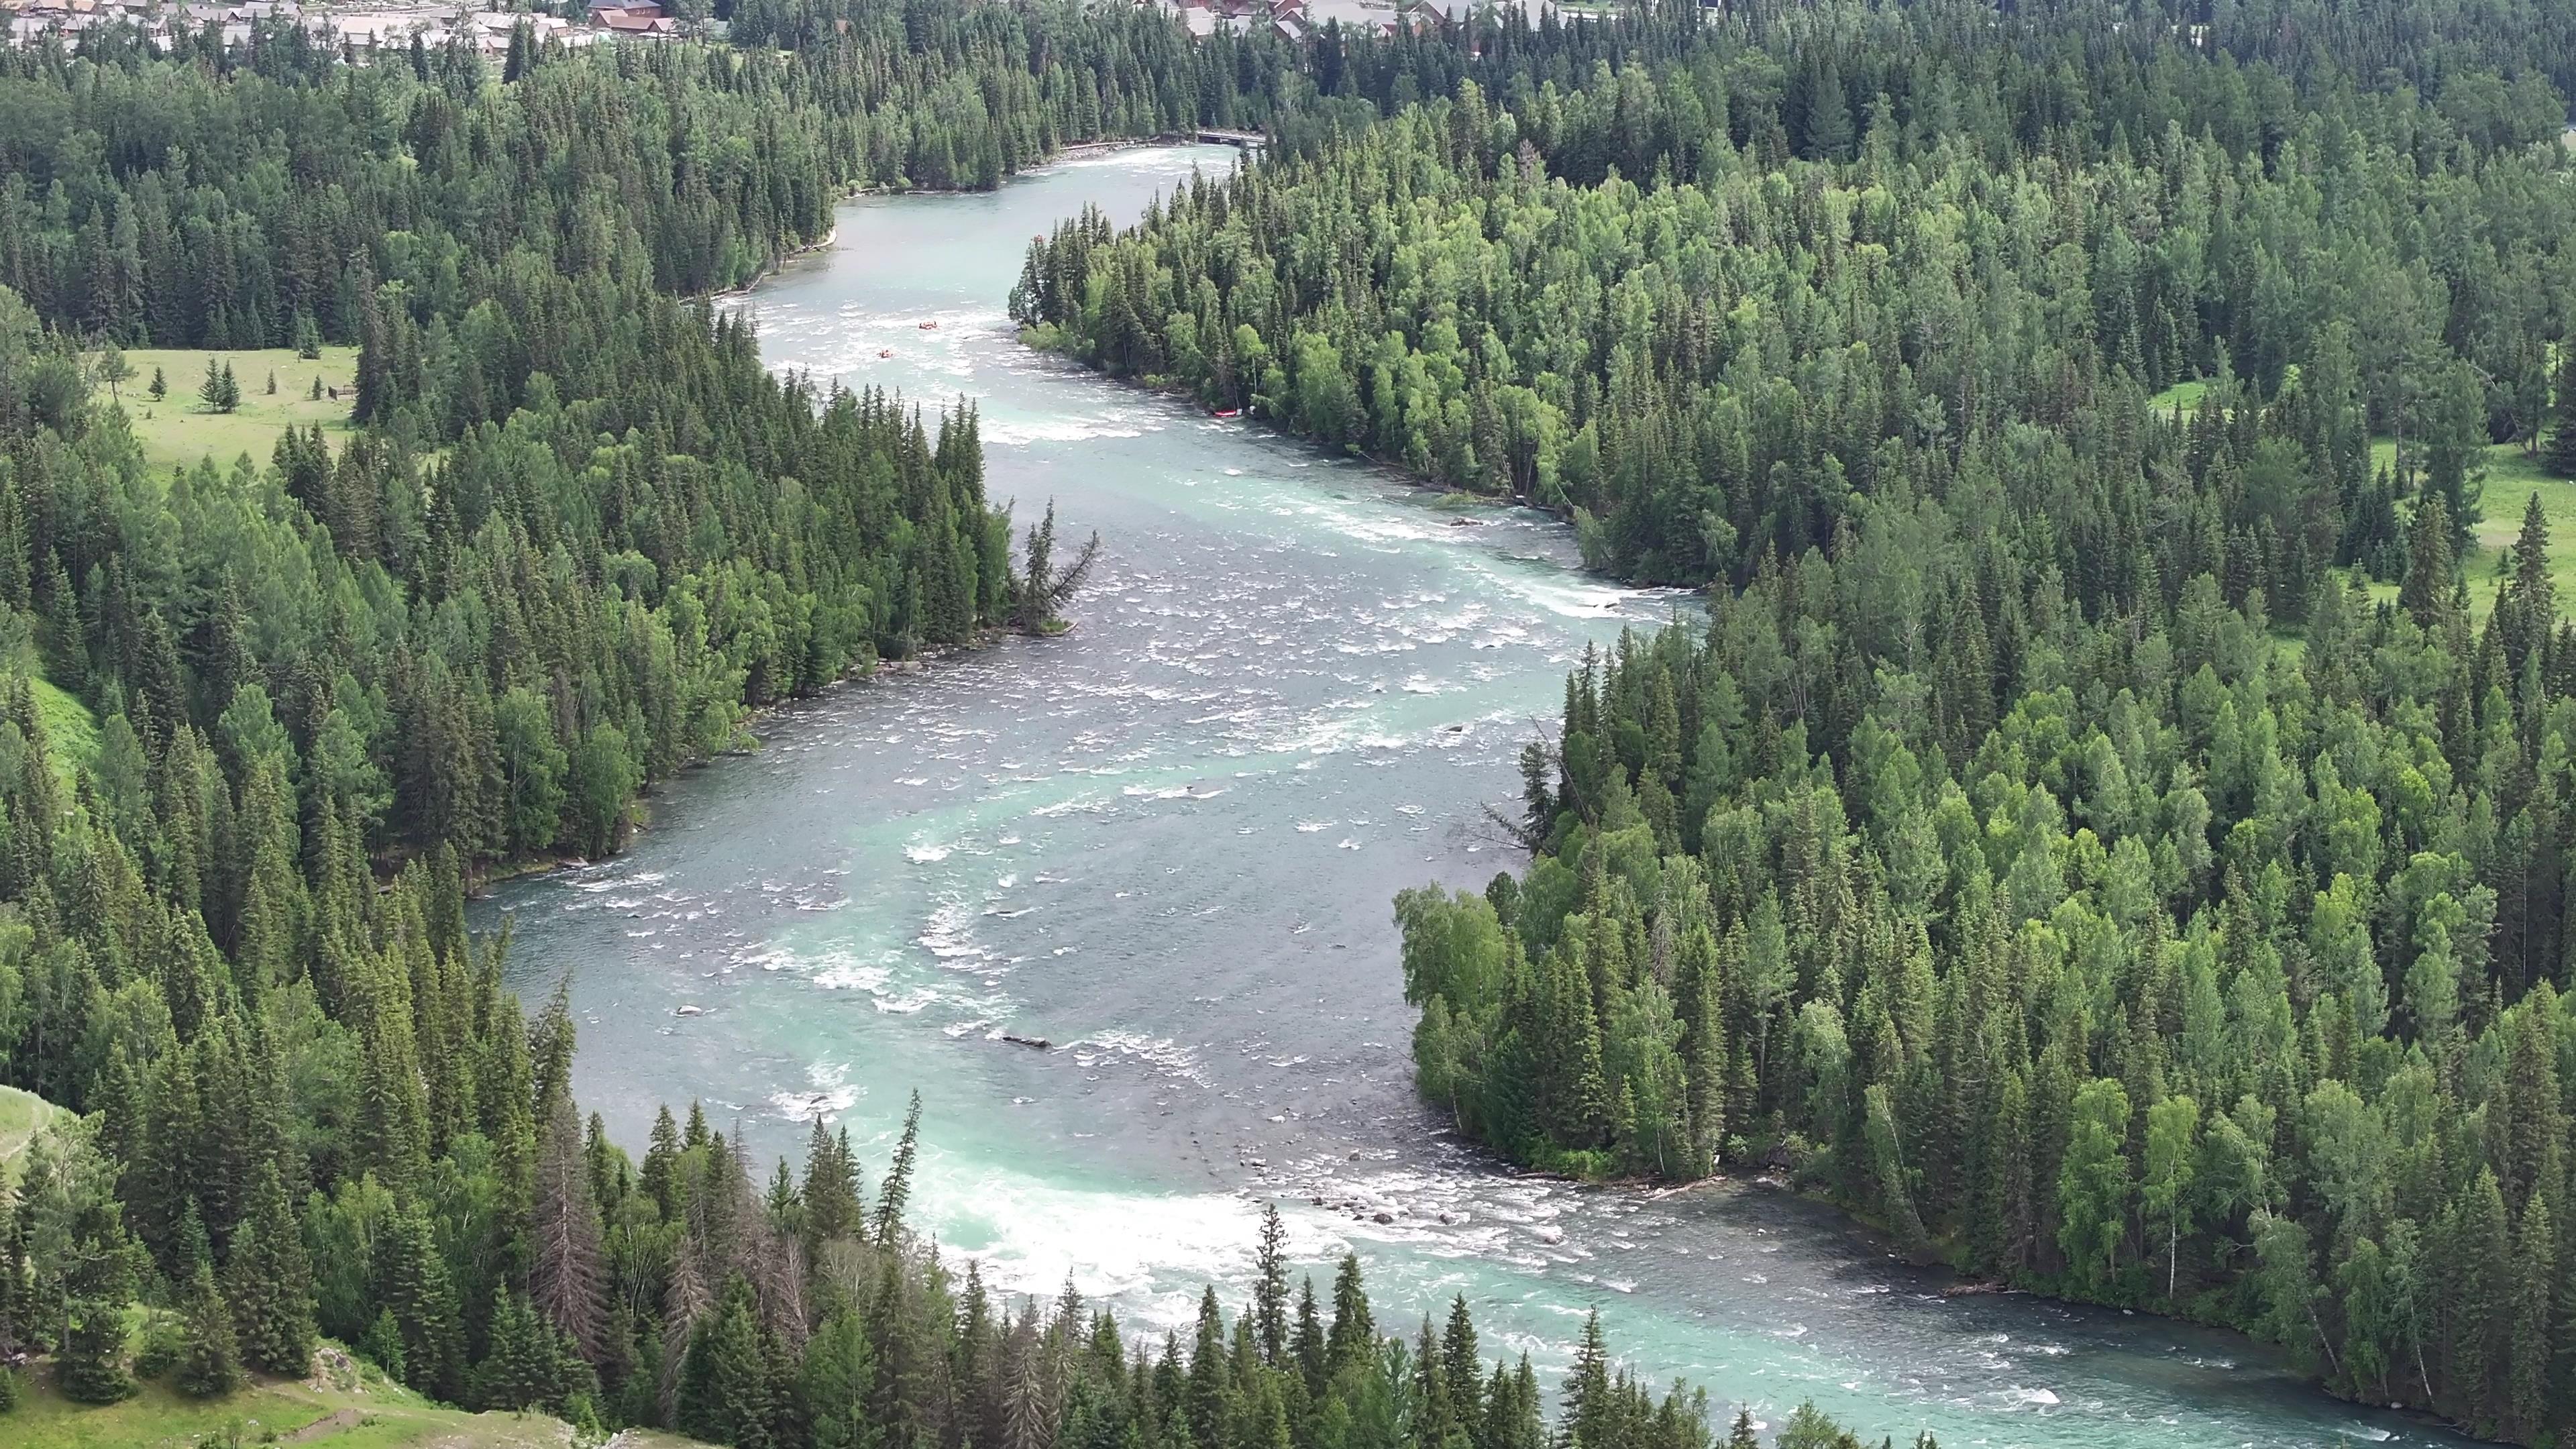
[949,934]
[1162,1053]
[853,976]
[921,854]
[1078,805]
[1025,432]
[831,1094]
[1152,1251]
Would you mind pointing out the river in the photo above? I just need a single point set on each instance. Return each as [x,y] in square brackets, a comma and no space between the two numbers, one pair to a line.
[1166,844]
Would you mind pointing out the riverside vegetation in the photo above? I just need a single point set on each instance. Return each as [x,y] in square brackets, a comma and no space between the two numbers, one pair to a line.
[261,723]
[2049,849]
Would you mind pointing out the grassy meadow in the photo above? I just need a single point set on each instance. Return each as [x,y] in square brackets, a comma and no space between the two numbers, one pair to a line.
[368,1415]
[178,429]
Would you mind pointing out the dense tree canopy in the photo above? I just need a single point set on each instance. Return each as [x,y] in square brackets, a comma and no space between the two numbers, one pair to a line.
[1706,315]
[1996,857]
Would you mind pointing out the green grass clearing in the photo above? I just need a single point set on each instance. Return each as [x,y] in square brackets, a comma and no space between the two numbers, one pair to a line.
[179,429]
[71,731]
[353,1410]
[23,1115]
[2184,395]
[2513,478]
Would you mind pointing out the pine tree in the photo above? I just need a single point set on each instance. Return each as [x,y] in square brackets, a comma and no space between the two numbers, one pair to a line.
[210,1361]
[832,1385]
[1354,1334]
[725,1388]
[269,1282]
[898,1178]
[1270,1287]
[2430,567]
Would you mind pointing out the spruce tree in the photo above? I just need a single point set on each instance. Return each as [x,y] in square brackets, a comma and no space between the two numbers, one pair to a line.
[725,1384]
[2533,1311]
[2431,569]
[90,1362]
[270,1283]
[1308,1345]
[833,1208]
[898,1179]
[1354,1333]
[833,1384]
[1270,1287]
[415,1288]
[210,1361]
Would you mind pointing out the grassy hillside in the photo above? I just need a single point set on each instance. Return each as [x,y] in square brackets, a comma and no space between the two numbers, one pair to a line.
[22,1116]
[353,1412]
[71,731]
[178,429]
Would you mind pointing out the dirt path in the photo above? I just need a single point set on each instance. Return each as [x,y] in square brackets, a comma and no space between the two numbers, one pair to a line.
[328,1424]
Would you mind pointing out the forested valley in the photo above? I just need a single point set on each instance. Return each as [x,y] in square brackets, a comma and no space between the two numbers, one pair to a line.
[2103,833]
[1714,302]
[2106,833]
[266,718]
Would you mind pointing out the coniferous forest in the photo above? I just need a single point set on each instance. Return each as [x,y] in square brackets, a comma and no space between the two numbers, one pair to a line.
[2051,846]
[263,720]
[266,718]
[2103,831]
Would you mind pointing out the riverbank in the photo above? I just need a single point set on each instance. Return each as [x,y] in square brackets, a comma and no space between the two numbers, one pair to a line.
[770,268]
[1048,340]
[544,864]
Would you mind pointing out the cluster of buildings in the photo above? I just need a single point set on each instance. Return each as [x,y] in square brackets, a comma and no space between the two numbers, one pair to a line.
[357,31]
[1296,20]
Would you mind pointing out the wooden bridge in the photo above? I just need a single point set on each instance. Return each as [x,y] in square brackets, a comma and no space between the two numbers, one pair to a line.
[1240,140]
